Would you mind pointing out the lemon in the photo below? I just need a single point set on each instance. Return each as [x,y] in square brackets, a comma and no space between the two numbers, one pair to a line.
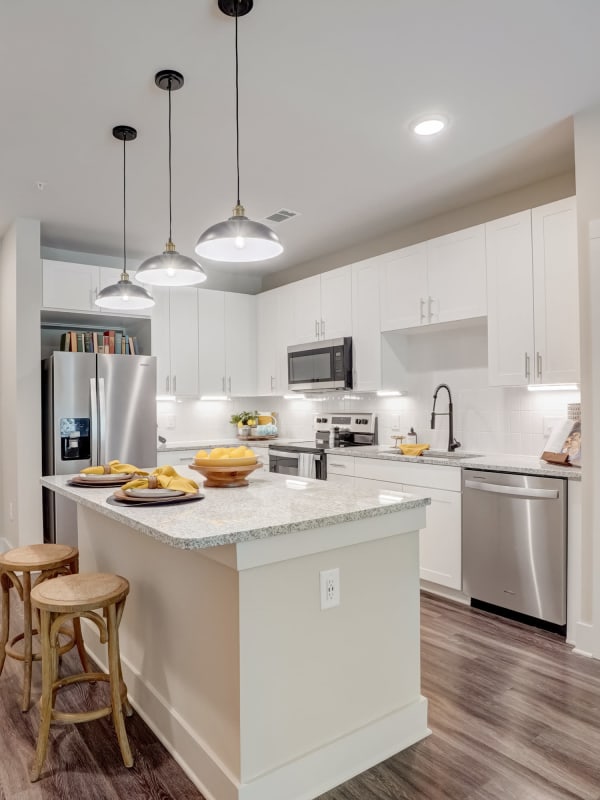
[251,423]
[218,452]
[201,454]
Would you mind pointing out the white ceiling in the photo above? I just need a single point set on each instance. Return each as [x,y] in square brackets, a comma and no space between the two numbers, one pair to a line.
[327,89]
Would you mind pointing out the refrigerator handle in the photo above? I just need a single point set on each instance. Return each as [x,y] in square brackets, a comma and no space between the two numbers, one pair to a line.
[102,420]
[94,410]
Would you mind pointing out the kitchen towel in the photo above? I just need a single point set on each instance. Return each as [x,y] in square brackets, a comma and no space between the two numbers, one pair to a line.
[306,465]
[164,478]
[113,468]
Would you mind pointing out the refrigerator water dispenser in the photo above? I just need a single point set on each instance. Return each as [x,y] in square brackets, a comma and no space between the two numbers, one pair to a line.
[75,442]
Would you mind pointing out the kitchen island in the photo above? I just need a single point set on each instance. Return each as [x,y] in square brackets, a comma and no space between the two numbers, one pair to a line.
[256,691]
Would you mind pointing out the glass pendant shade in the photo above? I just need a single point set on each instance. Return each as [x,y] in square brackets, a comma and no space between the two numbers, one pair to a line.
[124,296]
[238,239]
[170,268]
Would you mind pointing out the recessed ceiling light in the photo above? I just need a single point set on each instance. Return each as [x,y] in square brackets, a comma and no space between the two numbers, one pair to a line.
[429,126]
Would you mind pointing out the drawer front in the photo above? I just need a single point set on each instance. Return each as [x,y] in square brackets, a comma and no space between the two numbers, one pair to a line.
[340,465]
[426,475]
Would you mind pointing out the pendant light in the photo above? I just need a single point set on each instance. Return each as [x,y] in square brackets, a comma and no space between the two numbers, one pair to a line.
[170,268]
[238,238]
[124,295]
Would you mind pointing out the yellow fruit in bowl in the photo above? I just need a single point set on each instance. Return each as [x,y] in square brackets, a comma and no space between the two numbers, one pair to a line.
[218,452]
[201,454]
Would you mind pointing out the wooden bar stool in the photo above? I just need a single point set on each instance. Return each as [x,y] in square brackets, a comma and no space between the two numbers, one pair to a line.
[49,560]
[69,598]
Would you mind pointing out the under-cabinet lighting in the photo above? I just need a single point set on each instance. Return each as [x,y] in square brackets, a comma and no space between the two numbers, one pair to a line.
[214,397]
[294,397]
[553,387]
[388,393]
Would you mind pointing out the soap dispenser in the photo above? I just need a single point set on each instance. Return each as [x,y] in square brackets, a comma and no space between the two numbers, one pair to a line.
[411,436]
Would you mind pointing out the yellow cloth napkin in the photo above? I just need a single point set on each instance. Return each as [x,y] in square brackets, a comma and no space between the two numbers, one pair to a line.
[413,449]
[116,468]
[166,478]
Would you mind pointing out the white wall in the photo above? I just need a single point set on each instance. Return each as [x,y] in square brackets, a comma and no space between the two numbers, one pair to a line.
[20,433]
[487,420]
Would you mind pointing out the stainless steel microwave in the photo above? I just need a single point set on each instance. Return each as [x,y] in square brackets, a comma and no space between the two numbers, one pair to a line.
[320,366]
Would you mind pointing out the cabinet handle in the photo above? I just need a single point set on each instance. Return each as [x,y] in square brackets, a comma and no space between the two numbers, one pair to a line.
[185,459]
[429,308]
[174,384]
[230,384]
[421,310]
[527,366]
[316,329]
[538,357]
[167,382]
[223,384]
[272,379]
[341,466]
[322,329]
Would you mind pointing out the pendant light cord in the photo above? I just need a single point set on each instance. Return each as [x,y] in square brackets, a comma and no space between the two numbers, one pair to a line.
[170,192]
[237,105]
[124,216]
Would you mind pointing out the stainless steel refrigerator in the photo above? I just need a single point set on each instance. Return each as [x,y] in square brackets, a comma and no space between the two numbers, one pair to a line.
[95,408]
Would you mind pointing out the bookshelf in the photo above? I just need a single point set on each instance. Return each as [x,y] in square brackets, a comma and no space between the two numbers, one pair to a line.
[53,324]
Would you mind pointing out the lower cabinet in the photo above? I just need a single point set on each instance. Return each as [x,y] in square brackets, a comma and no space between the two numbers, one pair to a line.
[441,539]
[175,458]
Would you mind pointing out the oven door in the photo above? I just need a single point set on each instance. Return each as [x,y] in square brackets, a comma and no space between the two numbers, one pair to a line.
[302,465]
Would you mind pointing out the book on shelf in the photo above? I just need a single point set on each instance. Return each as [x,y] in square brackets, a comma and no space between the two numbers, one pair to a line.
[112,341]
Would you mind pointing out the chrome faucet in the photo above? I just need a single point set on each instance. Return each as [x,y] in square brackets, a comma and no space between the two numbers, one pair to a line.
[452,443]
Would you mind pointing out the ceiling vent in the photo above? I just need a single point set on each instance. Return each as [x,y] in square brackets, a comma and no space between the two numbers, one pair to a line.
[282,215]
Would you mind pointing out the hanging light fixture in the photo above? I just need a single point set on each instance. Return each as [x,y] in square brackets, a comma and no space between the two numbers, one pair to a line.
[124,295]
[238,238]
[170,268]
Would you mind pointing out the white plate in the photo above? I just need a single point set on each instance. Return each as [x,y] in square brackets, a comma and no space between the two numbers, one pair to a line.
[100,478]
[153,493]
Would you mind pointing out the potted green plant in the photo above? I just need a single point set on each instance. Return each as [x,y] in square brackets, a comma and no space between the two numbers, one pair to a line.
[245,421]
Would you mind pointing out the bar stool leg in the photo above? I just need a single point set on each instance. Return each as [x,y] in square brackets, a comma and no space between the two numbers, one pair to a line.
[46,700]
[27,633]
[114,670]
[5,584]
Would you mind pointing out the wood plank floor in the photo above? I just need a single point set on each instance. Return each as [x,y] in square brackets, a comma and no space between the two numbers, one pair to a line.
[514,714]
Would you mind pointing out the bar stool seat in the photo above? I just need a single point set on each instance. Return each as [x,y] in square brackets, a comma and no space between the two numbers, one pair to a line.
[71,597]
[50,560]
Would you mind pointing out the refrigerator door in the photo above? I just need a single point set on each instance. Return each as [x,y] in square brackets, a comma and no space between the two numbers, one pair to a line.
[127,409]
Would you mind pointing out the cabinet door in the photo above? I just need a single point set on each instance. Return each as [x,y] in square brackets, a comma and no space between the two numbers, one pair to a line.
[403,288]
[240,344]
[366,326]
[108,276]
[456,275]
[383,487]
[161,340]
[556,292]
[336,303]
[69,286]
[266,342]
[184,341]
[441,539]
[211,342]
[307,310]
[510,300]
[285,334]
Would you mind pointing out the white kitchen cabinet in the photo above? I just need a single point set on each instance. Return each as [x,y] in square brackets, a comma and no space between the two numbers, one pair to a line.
[533,315]
[284,336]
[323,306]
[556,292]
[176,458]
[441,539]
[268,362]
[340,465]
[366,327]
[175,340]
[441,280]
[74,287]
[227,343]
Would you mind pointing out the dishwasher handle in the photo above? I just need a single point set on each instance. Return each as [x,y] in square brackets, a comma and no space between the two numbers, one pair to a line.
[516,491]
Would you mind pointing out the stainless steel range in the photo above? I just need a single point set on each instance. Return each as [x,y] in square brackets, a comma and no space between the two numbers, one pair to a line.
[332,430]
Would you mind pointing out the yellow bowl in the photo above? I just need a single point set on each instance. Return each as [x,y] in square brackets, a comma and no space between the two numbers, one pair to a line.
[225,462]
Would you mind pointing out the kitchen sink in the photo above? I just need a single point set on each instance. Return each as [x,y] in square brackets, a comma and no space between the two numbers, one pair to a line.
[445,454]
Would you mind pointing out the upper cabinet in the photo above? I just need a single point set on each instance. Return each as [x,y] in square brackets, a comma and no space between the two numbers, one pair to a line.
[275,331]
[533,312]
[323,306]
[227,343]
[175,340]
[366,336]
[441,280]
[74,287]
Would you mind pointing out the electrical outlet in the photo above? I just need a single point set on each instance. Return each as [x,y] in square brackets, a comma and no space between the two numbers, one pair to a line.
[330,588]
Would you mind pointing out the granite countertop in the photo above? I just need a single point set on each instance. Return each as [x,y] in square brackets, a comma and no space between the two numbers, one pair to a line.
[271,505]
[528,465]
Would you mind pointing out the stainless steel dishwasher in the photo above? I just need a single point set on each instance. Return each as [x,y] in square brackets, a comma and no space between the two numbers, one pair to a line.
[515,543]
